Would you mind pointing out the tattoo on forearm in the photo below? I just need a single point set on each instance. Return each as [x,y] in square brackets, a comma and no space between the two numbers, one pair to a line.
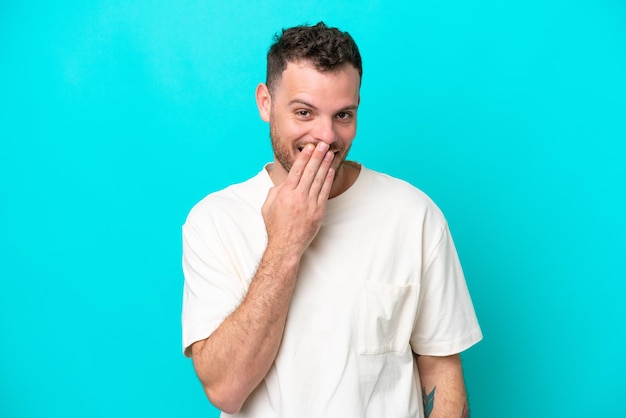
[428,400]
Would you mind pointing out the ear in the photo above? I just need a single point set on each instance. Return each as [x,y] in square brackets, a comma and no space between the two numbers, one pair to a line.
[263,101]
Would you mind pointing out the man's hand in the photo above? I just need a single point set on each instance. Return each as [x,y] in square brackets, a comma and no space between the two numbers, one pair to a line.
[294,210]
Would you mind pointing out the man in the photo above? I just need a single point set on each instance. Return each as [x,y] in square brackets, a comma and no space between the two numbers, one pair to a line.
[320,288]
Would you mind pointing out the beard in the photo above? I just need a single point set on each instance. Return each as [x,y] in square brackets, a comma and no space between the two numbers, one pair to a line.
[283,153]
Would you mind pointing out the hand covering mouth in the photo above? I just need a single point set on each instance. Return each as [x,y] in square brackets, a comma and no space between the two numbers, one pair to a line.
[333,150]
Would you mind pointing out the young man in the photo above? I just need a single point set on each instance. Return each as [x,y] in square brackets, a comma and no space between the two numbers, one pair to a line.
[320,288]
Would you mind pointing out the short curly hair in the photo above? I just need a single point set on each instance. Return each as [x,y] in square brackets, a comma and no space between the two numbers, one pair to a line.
[327,49]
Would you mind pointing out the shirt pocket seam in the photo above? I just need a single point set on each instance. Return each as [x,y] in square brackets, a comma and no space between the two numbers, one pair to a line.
[386,317]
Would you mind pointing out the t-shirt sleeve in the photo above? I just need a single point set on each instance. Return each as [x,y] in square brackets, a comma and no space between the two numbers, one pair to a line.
[445,323]
[211,289]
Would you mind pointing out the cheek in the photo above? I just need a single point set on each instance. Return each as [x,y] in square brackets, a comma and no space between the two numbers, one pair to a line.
[292,127]
[347,133]
[294,130]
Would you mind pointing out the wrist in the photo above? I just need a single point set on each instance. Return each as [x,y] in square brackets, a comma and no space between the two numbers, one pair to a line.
[288,254]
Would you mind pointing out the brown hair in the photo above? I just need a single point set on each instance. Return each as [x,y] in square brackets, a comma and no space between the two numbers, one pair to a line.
[327,49]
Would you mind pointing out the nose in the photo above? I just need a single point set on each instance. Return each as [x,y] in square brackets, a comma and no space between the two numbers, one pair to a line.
[324,130]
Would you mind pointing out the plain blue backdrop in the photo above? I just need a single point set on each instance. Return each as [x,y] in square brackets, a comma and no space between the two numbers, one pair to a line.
[117,116]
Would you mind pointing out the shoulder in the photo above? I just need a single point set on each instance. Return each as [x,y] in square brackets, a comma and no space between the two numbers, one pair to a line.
[235,200]
[402,197]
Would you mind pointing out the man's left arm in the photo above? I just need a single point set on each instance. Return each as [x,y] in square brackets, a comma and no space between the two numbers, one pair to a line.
[443,387]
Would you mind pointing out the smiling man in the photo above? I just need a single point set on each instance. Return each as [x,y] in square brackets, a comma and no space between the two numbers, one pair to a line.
[320,288]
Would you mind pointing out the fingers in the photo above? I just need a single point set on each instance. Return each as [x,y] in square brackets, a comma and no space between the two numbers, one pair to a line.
[308,172]
[321,176]
[326,186]
[312,168]
[298,167]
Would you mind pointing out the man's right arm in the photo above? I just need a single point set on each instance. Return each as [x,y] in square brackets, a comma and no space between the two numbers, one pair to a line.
[236,357]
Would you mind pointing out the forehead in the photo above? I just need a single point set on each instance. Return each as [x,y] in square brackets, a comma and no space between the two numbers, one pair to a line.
[300,78]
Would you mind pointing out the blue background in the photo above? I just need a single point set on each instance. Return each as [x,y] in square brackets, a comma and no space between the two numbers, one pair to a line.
[117,116]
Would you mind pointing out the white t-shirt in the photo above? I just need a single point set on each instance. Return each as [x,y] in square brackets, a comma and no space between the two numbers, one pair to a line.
[380,281]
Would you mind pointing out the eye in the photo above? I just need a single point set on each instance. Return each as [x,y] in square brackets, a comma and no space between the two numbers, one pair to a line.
[303,113]
[344,116]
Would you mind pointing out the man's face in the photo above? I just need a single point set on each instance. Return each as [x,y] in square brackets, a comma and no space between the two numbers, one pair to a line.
[307,106]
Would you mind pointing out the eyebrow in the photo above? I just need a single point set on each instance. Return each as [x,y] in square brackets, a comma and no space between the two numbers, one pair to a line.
[305,103]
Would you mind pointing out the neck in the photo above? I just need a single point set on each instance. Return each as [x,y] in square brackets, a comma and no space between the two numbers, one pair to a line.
[346,175]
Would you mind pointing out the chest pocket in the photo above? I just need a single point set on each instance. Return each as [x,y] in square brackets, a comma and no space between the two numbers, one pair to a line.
[386,317]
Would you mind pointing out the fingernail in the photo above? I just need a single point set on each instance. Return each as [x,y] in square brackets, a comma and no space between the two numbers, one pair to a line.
[323,146]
